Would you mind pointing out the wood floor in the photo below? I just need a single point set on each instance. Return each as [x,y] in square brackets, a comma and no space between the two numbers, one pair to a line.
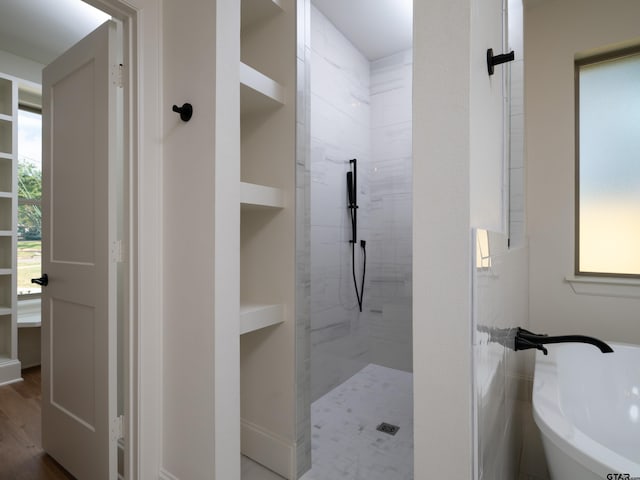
[21,454]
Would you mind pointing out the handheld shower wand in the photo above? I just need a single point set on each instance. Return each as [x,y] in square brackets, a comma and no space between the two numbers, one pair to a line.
[351,192]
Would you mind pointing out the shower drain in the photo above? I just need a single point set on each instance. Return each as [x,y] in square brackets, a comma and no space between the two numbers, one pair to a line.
[388,428]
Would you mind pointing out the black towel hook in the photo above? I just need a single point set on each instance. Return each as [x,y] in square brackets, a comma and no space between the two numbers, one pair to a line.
[185,111]
[493,60]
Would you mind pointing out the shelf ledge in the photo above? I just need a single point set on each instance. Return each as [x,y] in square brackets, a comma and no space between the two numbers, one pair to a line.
[258,92]
[255,317]
[29,313]
[29,323]
[254,196]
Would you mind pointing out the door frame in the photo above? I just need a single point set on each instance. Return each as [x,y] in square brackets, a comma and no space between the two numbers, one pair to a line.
[142,35]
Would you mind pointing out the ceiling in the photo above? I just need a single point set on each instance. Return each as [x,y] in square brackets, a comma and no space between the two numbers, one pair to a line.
[41,30]
[377,28]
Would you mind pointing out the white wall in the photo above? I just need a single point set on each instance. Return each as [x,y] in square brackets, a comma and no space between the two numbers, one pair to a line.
[188,348]
[20,67]
[200,296]
[441,275]
[555,32]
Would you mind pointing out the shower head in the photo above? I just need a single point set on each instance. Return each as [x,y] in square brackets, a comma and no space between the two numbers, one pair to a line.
[350,189]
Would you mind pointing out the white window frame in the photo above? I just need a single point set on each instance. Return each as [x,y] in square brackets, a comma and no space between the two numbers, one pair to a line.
[611,280]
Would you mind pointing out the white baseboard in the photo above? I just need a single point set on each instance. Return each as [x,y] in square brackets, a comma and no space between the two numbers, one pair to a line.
[30,365]
[164,475]
[268,449]
[10,372]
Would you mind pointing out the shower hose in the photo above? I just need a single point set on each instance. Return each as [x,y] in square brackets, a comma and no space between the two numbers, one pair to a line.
[363,246]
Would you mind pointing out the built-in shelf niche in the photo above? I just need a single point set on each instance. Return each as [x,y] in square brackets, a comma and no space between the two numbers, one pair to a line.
[256,12]
[5,336]
[6,260]
[258,92]
[5,293]
[256,317]
[6,97]
[9,363]
[6,215]
[267,232]
[6,173]
[6,134]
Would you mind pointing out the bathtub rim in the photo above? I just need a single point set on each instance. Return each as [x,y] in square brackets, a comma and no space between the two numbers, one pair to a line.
[550,419]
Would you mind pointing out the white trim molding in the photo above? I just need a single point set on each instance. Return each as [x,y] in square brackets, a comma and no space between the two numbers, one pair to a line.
[10,372]
[604,286]
[268,449]
[142,21]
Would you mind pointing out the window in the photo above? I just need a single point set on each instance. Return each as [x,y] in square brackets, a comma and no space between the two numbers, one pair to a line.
[29,196]
[608,164]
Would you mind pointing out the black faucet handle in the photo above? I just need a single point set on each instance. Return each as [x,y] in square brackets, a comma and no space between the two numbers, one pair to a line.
[522,330]
[524,344]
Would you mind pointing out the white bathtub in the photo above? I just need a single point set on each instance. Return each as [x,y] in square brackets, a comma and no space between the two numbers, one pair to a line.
[587,406]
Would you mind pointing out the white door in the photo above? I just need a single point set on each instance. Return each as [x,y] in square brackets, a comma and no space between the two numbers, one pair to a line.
[78,304]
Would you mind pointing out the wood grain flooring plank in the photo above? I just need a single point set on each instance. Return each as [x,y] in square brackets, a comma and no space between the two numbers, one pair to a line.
[30,385]
[21,455]
[23,413]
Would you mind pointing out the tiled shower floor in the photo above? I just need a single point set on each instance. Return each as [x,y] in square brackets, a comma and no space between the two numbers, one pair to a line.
[345,444]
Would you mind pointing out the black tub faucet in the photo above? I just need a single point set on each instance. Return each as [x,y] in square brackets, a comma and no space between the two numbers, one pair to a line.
[525,339]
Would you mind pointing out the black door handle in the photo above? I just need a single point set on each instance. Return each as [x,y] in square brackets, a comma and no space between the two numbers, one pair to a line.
[43,280]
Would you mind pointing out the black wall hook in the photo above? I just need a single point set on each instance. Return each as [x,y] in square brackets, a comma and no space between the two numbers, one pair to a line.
[493,60]
[185,111]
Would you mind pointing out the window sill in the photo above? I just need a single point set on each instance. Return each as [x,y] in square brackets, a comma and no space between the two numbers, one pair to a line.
[605,286]
[29,313]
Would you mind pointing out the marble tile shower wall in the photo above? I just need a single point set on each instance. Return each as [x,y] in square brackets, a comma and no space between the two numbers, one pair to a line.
[359,109]
[340,130]
[390,242]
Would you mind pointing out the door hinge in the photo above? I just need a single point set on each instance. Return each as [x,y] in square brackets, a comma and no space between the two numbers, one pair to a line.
[117,75]
[117,256]
[117,428]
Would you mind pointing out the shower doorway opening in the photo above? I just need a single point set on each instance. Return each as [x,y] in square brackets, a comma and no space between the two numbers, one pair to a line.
[354,368]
